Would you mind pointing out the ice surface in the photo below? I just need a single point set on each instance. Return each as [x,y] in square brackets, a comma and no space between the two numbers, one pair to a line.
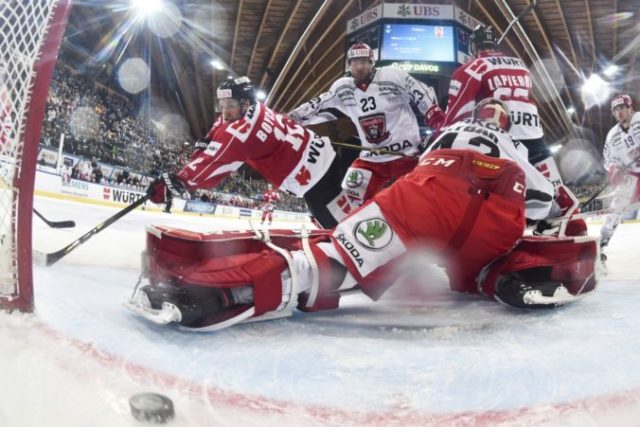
[430,357]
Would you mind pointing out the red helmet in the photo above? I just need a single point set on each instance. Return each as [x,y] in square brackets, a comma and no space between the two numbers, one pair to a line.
[495,111]
[360,50]
[622,99]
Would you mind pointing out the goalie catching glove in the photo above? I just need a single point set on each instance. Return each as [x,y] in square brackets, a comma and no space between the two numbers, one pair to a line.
[165,187]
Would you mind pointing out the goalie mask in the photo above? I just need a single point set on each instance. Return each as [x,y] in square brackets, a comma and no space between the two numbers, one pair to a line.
[482,37]
[494,111]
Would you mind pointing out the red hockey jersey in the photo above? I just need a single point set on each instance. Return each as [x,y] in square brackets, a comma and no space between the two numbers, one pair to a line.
[495,75]
[288,155]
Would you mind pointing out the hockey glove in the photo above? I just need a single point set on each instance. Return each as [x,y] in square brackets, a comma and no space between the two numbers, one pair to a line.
[202,144]
[615,176]
[434,117]
[548,229]
[565,204]
[164,188]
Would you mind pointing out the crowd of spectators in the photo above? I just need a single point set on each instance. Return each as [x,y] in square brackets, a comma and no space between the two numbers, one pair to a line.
[102,125]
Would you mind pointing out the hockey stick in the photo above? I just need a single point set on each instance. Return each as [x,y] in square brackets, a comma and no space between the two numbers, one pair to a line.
[599,212]
[55,224]
[622,171]
[374,150]
[516,19]
[53,257]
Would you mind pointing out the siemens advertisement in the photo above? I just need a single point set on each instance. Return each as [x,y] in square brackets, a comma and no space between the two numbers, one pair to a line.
[417,42]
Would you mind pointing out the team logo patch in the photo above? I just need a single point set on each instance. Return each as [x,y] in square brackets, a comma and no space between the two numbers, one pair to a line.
[373,233]
[212,148]
[354,179]
[375,128]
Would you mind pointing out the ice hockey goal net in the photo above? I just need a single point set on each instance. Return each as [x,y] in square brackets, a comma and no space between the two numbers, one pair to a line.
[30,35]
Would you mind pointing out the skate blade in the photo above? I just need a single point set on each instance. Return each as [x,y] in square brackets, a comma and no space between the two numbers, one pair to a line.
[167,314]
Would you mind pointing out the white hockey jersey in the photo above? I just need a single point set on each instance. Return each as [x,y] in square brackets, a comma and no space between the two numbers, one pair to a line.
[490,140]
[622,148]
[382,113]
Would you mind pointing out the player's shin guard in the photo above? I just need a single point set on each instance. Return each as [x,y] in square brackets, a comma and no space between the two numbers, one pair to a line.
[543,272]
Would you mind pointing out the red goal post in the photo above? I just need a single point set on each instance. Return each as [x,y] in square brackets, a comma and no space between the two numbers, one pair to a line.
[30,36]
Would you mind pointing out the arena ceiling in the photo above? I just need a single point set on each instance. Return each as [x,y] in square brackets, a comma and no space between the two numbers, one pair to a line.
[294,49]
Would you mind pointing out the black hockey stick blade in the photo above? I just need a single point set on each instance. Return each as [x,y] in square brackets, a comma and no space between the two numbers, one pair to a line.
[53,257]
[55,224]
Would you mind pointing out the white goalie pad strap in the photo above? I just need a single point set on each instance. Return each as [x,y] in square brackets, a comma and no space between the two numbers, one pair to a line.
[287,309]
[315,274]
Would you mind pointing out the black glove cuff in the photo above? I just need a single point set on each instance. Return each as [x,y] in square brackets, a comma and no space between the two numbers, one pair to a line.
[173,183]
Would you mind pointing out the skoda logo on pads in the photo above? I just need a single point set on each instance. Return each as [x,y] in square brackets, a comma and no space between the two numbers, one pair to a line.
[373,233]
[354,179]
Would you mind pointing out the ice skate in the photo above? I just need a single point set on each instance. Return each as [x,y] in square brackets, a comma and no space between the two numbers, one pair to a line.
[187,305]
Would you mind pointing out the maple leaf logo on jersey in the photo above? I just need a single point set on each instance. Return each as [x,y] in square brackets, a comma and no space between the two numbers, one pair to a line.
[374,127]
[303,176]
[374,233]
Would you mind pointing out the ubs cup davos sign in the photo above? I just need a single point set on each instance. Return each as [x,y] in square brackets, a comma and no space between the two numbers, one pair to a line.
[412,11]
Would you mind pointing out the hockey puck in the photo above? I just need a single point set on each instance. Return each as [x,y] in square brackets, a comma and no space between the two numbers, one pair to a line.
[151,407]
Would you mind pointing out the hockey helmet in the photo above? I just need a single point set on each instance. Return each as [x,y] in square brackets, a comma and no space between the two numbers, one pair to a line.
[495,111]
[239,88]
[360,50]
[622,99]
[482,37]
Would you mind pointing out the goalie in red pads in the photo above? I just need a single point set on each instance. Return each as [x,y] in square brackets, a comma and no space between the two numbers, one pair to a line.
[465,206]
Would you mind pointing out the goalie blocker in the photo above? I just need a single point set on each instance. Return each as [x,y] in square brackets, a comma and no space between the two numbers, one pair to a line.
[210,281]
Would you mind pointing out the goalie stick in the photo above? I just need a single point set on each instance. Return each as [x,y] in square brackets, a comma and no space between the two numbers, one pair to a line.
[55,224]
[53,257]
[375,150]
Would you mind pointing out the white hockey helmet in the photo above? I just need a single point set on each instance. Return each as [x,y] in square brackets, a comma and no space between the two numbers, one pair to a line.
[622,99]
[360,50]
[495,111]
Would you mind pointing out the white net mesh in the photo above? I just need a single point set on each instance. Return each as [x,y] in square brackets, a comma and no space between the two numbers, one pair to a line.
[24,26]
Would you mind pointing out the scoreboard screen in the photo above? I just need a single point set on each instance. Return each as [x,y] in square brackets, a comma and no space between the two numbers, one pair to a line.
[418,42]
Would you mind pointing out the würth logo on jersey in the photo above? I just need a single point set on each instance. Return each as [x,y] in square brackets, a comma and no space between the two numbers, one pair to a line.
[373,233]
[375,128]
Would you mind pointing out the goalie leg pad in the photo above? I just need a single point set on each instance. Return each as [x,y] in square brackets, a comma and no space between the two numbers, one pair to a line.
[548,265]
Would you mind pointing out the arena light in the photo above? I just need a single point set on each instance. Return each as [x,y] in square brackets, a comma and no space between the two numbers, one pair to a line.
[555,148]
[595,90]
[261,95]
[146,7]
[611,70]
[217,64]
[571,110]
